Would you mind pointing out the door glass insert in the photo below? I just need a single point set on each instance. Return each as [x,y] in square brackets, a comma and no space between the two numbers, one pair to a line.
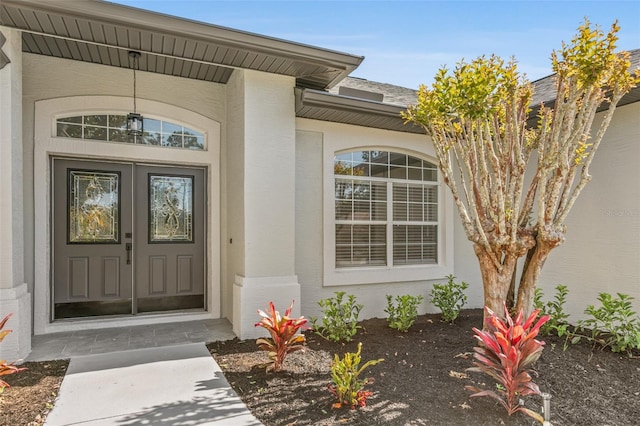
[93,210]
[170,209]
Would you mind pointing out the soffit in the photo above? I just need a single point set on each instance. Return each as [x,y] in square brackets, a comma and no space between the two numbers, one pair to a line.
[324,106]
[103,33]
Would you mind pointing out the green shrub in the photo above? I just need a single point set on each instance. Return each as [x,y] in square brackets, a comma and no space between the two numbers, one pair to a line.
[402,313]
[340,318]
[557,323]
[614,324]
[347,384]
[450,298]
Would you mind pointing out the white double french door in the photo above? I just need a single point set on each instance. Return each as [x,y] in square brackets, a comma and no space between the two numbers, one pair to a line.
[128,238]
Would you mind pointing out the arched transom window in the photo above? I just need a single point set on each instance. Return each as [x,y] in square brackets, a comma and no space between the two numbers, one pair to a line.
[386,209]
[112,128]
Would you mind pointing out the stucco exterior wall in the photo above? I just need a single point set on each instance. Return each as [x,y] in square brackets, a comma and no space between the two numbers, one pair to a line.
[73,78]
[601,252]
[233,232]
[602,249]
[14,296]
[262,196]
[84,87]
[269,174]
[312,139]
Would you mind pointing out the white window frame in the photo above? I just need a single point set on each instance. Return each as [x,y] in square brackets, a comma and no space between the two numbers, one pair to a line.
[415,145]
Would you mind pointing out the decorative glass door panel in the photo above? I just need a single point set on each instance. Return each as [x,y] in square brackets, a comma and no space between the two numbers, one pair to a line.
[95,204]
[170,209]
[114,256]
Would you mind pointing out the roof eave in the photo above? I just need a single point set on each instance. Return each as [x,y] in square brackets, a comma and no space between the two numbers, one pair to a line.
[312,103]
[341,63]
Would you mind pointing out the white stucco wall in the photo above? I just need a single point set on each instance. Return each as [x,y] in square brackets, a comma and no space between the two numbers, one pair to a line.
[262,195]
[11,238]
[269,182]
[601,253]
[602,249]
[74,78]
[15,298]
[233,232]
[315,142]
[198,104]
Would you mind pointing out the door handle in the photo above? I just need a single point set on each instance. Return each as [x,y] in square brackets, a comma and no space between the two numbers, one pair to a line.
[128,248]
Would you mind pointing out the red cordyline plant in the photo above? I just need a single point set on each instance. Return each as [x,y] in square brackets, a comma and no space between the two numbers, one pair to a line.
[283,330]
[507,351]
[6,368]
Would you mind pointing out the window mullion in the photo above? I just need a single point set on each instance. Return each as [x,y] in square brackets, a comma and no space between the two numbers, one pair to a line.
[389,224]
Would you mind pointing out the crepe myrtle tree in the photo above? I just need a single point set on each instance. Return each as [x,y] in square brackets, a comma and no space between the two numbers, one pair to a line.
[477,115]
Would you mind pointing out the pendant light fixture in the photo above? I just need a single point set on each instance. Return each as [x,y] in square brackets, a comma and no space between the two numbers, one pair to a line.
[135,125]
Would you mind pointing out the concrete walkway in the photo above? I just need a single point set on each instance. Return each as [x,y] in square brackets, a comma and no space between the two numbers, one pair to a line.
[172,385]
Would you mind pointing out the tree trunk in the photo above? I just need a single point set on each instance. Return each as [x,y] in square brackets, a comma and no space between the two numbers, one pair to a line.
[495,280]
[530,274]
[511,294]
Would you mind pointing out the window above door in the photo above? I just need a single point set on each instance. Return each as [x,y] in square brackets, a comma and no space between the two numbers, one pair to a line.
[112,128]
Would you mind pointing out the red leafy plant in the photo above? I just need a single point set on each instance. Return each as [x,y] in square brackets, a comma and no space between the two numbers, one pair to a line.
[5,367]
[284,334]
[507,351]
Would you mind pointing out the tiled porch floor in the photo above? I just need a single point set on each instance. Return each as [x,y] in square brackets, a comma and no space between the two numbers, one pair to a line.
[87,342]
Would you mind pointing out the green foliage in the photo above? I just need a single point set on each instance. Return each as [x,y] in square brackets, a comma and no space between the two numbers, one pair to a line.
[506,353]
[450,298]
[557,323]
[347,385]
[283,331]
[511,180]
[591,59]
[6,368]
[340,318]
[614,324]
[402,313]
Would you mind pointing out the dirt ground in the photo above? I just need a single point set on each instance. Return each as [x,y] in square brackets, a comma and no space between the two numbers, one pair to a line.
[423,377]
[420,382]
[32,393]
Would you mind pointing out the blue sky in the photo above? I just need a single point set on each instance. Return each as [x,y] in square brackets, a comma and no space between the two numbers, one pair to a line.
[406,42]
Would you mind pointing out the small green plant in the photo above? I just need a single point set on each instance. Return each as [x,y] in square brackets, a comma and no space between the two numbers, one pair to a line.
[614,324]
[6,368]
[284,338]
[402,313]
[450,298]
[347,385]
[340,318]
[557,323]
[507,351]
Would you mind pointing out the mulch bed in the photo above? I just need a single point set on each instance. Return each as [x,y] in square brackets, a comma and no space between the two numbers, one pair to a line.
[32,393]
[423,377]
[420,382]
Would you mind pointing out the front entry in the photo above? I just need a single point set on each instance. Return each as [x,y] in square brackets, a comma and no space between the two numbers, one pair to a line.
[127,238]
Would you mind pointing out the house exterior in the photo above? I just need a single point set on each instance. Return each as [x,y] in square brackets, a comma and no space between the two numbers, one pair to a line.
[264,173]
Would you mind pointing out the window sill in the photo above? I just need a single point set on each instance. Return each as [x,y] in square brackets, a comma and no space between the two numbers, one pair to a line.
[380,275]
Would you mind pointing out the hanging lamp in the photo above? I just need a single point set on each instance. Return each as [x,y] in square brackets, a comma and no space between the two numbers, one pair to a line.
[135,122]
